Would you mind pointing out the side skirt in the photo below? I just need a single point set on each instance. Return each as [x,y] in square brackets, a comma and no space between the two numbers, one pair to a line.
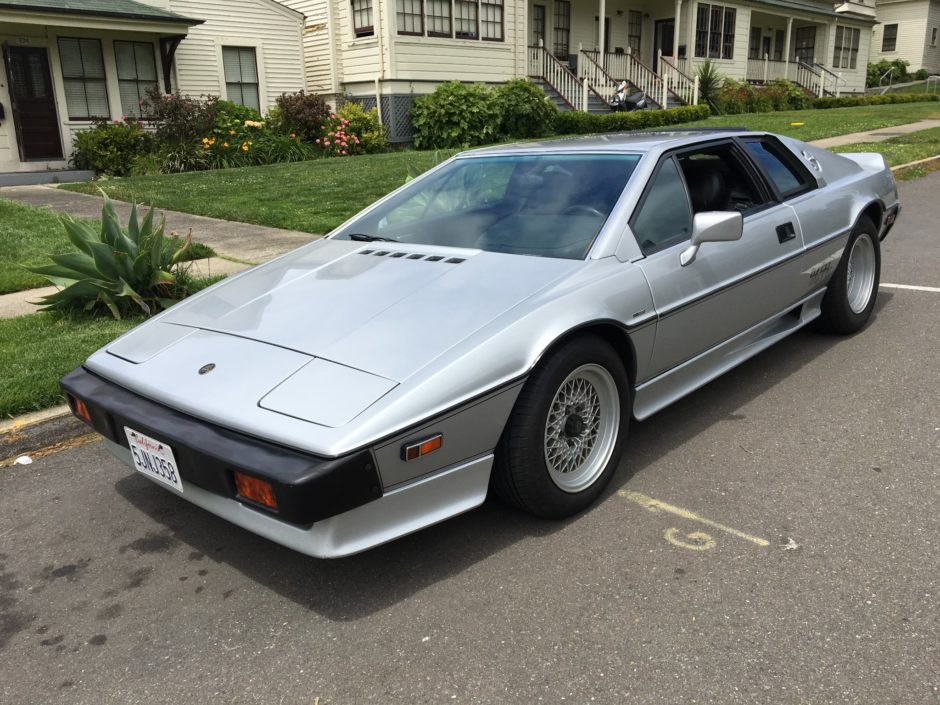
[661,391]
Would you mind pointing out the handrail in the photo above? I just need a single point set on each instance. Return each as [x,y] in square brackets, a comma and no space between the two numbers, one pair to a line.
[808,77]
[834,78]
[678,83]
[543,65]
[598,79]
[932,82]
[627,67]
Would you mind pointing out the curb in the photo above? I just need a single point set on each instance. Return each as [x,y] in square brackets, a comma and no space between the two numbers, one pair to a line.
[919,162]
[33,432]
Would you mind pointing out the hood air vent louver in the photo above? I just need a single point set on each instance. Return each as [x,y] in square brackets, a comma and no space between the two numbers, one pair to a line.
[413,256]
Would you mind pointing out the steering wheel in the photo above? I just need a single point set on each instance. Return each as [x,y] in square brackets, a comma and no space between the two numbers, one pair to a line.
[579,209]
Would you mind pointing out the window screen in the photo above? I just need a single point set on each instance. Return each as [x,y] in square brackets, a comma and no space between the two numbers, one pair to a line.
[889,41]
[137,73]
[86,94]
[241,76]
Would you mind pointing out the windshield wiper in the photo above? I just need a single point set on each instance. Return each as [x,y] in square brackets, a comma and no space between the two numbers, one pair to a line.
[360,237]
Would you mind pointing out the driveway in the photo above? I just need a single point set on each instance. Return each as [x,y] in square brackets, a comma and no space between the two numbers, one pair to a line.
[770,539]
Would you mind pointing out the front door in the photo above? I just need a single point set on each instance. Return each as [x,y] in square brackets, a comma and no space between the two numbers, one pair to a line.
[33,103]
[662,38]
[805,45]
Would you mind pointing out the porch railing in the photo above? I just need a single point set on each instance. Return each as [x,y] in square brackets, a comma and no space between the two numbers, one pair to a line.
[677,82]
[543,65]
[598,79]
[807,76]
[831,82]
[627,67]
[766,69]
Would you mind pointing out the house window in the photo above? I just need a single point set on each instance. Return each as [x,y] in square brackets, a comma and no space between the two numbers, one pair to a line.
[439,18]
[714,31]
[634,30]
[86,94]
[241,76]
[137,74]
[538,24]
[845,55]
[805,51]
[465,19]
[753,50]
[562,29]
[410,15]
[362,18]
[779,38]
[491,20]
[889,40]
[933,37]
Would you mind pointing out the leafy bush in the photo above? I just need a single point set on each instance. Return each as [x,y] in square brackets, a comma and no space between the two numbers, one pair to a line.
[455,115]
[576,123]
[734,98]
[921,74]
[366,126]
[879,69]
[271,147]
[111,147]
[710,80]
[303,114]
[181,119]
[784,95]
[121,269]
[337,138]
[851,101]
[524,109]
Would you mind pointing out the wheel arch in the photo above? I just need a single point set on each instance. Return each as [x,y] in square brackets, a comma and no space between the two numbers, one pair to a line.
[875,211]
[612,331]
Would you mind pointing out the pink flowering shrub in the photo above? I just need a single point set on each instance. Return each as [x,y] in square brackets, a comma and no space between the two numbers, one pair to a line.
[336,139]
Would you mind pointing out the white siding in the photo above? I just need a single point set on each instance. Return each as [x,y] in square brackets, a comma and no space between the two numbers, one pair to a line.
[273,30]
[932,51]
[318,59]
[912,21]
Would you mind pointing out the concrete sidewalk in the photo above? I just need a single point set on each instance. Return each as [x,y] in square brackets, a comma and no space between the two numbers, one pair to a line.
[250,243]
[244,241]
[879,135]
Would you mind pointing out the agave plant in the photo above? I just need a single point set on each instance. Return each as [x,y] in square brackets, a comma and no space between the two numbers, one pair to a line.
[120,268]
[710,81]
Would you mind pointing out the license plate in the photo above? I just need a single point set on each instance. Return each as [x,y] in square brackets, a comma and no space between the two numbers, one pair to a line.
[153,458]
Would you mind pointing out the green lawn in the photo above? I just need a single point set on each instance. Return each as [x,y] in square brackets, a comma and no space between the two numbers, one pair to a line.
[28,235]
[316,196]
[36,350]
[902,149]
[818,124]
[916,88]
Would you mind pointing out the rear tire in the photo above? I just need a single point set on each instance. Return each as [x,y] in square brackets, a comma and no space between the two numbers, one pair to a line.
[853,289]
[564,438]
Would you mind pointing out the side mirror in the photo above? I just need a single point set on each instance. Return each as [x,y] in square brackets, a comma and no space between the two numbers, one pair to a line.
[712,226]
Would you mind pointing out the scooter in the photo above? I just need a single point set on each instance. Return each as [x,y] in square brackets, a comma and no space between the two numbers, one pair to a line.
[621,102]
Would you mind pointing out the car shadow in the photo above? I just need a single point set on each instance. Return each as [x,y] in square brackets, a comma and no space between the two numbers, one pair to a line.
[355,587]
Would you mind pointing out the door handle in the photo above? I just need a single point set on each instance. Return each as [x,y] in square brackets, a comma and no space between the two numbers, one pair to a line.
[785,232]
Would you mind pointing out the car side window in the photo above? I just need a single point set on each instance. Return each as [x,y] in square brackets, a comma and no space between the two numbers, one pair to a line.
[664,218]
[788,177]
[718,180]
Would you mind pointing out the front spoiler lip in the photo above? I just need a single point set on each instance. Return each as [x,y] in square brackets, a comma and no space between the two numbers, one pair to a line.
[308,488]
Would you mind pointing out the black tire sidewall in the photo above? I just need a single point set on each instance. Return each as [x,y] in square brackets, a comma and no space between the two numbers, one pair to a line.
[837,315]
[521,452]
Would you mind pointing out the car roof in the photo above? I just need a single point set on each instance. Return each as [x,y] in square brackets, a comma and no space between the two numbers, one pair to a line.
[625,142]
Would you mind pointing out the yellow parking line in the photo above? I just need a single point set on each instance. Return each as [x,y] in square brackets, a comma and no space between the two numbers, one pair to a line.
[656,506]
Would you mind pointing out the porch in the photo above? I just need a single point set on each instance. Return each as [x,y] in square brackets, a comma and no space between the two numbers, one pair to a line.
[66,67]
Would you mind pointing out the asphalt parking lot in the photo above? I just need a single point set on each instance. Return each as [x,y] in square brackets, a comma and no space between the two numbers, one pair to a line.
[773,538]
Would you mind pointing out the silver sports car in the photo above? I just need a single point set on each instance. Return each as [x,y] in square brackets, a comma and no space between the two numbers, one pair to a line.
[491,326]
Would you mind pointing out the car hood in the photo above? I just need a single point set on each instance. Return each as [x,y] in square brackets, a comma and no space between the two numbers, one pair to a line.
[383,308]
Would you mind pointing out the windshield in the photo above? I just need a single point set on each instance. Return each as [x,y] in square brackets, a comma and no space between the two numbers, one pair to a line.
[545,205]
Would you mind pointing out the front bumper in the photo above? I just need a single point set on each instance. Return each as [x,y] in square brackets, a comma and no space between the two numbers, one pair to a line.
[307,488]
[328,507]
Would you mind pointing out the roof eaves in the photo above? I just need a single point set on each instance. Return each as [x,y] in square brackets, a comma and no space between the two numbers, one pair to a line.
[165,18]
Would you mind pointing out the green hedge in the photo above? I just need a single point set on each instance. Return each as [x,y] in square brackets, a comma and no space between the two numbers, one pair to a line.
[578,123]
[851,101]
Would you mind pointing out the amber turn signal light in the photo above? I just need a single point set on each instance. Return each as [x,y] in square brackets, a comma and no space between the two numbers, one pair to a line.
[416,450]
[255,490]
[80,409]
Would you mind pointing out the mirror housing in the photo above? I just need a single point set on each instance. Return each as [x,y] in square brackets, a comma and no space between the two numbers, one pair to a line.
[712,226]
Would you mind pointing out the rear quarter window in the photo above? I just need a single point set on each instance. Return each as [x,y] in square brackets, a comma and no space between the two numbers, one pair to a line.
[786,174]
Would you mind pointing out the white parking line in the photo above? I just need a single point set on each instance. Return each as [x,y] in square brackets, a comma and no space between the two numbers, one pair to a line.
[932,289]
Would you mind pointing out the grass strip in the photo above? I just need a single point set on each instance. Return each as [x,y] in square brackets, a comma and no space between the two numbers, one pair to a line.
[37,350]
[29,234]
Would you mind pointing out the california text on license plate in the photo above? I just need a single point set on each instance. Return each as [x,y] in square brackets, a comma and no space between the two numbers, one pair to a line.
[153,458]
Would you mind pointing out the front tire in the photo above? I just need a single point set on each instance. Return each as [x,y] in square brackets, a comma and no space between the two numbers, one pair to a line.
[565,435]
[850,297]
